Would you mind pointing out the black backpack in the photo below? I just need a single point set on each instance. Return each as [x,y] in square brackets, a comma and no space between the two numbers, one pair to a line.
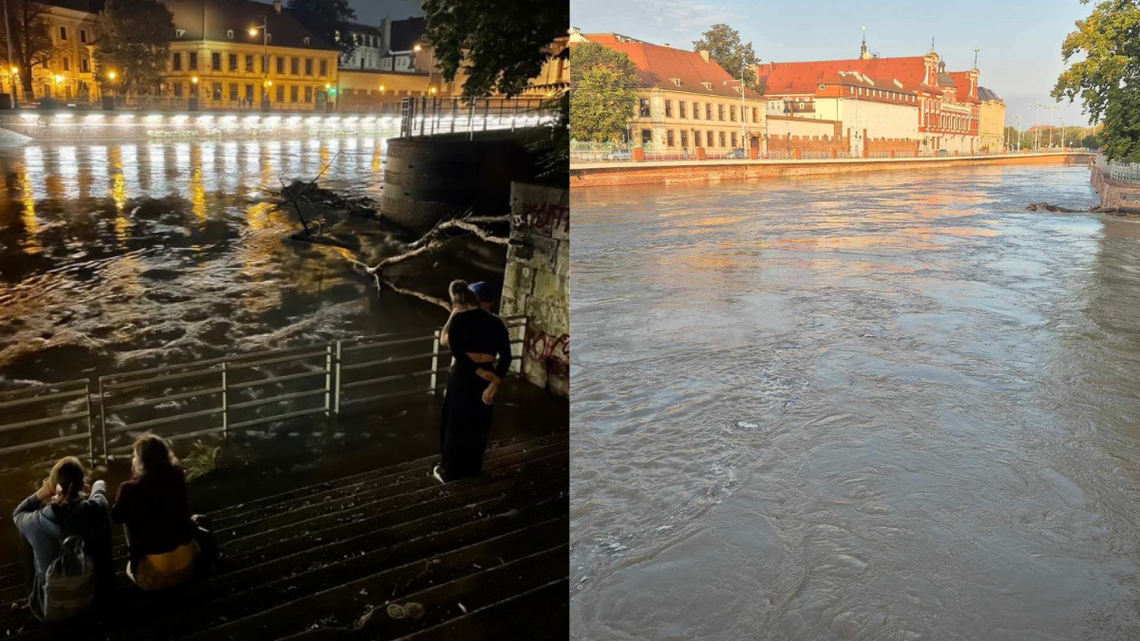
[69,584]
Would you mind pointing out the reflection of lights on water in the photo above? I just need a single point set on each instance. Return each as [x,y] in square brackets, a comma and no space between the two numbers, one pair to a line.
[252,120]
[350,119]
[154,118]
[205,119]
[29,117]
[64,116]
[179,119]
[368,119]
[94,117]
[126,117]
[31,186]
[156,154]
[314,121]
[69,171]
[229,119]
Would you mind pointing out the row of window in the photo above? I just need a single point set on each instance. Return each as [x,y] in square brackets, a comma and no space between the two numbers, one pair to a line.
[65,64]
[248,91]
[643,111]
[245,63]
[63,35]
[882,93]
[672,138]
[950,121]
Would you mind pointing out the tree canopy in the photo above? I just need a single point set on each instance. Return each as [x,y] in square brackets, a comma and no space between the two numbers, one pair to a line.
[603,92]
[31,39]
[1107,77]
[725,47]
[134,42]
[500,44]
[326,18]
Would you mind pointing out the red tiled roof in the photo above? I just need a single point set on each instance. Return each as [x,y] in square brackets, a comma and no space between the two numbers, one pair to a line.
[805,77]
[658,65]
[962,83]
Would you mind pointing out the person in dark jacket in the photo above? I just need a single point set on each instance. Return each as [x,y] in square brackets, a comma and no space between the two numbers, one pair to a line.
[481,348]
[57,510]
[154,508]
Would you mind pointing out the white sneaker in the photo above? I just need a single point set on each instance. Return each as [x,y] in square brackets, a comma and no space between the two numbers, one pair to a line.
[436,472]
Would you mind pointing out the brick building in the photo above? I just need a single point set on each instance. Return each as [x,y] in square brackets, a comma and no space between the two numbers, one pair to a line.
[910,102]
[686,99]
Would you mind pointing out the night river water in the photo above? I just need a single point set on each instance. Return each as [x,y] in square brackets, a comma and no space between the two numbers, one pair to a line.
[883,406]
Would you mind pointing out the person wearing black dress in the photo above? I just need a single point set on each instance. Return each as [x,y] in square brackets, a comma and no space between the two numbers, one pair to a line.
[481,349]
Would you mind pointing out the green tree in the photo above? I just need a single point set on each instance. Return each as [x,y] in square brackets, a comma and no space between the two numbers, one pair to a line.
[500,44]
[325,19]
[603,92]
[134,42]
[31,39]
[725,47]
[1107,77]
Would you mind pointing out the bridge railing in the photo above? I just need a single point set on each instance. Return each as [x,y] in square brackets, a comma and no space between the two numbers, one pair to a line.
[222,396]
[1124,172]
[427,117]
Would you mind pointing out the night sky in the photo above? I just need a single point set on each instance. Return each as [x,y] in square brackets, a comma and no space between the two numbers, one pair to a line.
[371,11]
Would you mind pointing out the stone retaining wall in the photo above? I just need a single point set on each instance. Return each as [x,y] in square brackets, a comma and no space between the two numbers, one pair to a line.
[1113,194]
[537,282]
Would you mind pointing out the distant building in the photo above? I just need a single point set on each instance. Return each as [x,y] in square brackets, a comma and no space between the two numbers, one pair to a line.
[686,99]
[69,72]
[401,39]
[992,131]
[882,103]
[369,51]
[215,57]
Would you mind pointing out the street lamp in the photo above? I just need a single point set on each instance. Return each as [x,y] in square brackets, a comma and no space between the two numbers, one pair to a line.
[264,27]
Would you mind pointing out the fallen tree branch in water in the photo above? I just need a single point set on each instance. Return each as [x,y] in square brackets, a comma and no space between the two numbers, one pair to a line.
[1057,209]
[431,241]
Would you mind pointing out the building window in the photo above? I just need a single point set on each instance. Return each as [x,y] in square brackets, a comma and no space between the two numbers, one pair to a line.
[324,68]
[734,139]
[233,60]
[280,93]
[669,109]
[192,61]
[233,91]
[306,40]
[85,65]
[83,36]
[643,108]
[668,137]
[720,116]
[308,66]
[681,110]
[308,95]
[280,65]
[295,66]
[684,138]
[249,91]
[293,93]
[178,90]
[63,33]
[708,111]
[732,113]
[249,63]
[66,63]
[696,111]
[755,115]
[646,137]
[230,34]
[709,139]
[176,61]
[722,139]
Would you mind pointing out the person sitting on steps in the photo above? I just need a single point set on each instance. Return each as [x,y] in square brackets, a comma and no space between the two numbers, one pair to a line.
[162,536]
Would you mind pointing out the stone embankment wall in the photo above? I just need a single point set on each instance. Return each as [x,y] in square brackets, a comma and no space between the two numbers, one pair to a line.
[537,282]
[642,173]
[807,143]
[1115,195]
[892,144]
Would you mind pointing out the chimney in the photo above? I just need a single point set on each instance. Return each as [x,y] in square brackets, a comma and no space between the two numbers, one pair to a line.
[666,45]
[705,55]
[277,6]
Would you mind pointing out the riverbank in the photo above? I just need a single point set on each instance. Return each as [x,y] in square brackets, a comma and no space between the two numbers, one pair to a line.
[1113,194]
[668,172]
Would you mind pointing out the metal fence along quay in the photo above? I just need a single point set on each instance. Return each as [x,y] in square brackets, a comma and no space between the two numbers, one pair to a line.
[607,152]
[1124,172]
[426,117]
[222,396]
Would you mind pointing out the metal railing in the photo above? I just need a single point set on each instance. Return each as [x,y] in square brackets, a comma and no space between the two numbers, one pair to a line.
[222,396]
[426,117]
[1124,172]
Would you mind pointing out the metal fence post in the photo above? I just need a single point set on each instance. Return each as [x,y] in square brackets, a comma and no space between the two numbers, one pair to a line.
[336,395]
[454,113]
[471,121]
[486,112]
[225,403]
[434,362]
[90,427]
[328,380]
[103,419]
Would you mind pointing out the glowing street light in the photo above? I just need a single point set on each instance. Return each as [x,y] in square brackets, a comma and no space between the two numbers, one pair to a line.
[194,80]
[111,75]
[58,78]
[381,88]
[253,31]
[417,48]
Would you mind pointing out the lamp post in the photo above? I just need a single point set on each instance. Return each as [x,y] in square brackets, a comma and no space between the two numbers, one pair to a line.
[1037,126]
[264,28]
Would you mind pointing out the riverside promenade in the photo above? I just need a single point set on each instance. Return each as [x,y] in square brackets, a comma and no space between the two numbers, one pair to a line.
[599,174]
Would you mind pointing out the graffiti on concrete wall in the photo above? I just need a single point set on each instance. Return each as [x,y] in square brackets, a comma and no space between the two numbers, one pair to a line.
[543,217]
[548,352]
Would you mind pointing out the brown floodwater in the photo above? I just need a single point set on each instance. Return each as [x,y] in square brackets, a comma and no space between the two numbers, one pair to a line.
[881,406]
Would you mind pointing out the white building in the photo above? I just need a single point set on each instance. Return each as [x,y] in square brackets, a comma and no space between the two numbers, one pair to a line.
[369,46]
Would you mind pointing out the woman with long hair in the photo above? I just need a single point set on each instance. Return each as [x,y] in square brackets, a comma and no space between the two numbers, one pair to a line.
[481,348]
[58,510]
[154,509]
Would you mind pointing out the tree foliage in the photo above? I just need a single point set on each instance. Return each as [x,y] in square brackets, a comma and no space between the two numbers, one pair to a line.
[31,39]
[134,42]
[325,19]
[725,47]
[603,92]
[1107,77]
[500,44]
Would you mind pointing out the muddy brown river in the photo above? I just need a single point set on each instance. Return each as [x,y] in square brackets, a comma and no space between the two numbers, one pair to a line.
[892,406]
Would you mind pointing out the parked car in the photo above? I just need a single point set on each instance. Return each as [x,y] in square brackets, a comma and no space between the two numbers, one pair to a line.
[739,152]
[620,154]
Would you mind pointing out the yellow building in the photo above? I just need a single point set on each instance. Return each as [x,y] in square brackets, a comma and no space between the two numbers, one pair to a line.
[992,126]
[687,100]
[230,53]
[68,72]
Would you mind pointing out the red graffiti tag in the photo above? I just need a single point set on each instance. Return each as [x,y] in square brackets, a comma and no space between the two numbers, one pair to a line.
[553,353]
[546,216]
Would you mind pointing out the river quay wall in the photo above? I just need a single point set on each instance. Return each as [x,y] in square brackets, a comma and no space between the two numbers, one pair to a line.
[698,171]
[1124,197]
